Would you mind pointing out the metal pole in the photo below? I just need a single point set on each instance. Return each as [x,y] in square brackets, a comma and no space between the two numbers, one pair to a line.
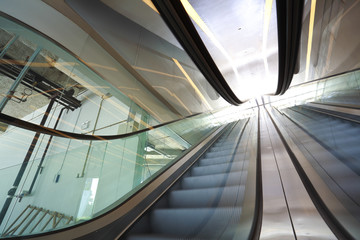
[45,152]
[18,80]
[12,191]
[8,45]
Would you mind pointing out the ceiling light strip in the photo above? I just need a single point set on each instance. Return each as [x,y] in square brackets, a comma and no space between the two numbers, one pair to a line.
[192,84]
[197,19]
[310,38]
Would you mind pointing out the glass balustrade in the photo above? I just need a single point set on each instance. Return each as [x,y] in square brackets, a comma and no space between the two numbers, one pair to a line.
[343,90]
[51,182]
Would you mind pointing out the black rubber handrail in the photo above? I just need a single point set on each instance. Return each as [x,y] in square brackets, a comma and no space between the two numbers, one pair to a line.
[256,228]
[289,22]
[175,16]
[76,136]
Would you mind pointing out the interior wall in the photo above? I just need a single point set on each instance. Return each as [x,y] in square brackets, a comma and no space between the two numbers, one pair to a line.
[63,184]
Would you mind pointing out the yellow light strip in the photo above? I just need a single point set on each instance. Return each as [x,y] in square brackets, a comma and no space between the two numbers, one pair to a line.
[175,96]
[151,5]
[267,15]
[142,105]
[157,72]
[192,83]
[197,19]
[311,29]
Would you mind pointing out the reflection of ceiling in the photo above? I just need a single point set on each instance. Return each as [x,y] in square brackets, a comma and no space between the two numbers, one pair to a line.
[241,36]
[157,60]
[22,49]
[41,77]
[16,108]
[330,41]
[144,16]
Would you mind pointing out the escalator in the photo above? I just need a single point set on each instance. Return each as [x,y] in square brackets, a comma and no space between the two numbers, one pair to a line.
[207,202]
[209,191]
[323,145]
[338,135]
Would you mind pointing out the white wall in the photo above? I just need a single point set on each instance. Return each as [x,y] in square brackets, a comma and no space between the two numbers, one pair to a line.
[112,162]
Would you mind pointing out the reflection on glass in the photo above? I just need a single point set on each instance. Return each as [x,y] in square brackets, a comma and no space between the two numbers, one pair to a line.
[82,179]
[147,45]
[53,182]
[329,40]
[244,51]
[342,90]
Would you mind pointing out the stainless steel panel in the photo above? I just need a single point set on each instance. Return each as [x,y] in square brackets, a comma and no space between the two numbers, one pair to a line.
[302,214]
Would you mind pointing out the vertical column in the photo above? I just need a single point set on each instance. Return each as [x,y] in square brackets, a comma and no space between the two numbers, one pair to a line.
[8,45]
[18,80]
[140,156]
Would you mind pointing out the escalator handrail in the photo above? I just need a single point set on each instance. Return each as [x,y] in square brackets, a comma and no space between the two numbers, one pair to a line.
[78,136]
[331,114]
[289,20]
[179,22]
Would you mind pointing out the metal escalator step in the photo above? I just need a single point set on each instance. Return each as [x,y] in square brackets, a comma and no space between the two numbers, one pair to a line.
[215,149]
[206,197]
[219,160]
[189,222]
[217,168]
[218,154]
[214,180]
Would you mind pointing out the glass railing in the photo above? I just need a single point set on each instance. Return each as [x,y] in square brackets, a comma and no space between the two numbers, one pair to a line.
[52,179]
[77,180]
[343,89]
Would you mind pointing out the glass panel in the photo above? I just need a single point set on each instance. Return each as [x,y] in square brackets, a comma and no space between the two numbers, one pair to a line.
[329,40]
[143,40]
[343,90]
[65,181]
[96,175]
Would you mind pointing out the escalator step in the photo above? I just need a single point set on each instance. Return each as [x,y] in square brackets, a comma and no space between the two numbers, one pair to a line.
[217,168]
[225,148]
[206,197]
[214,180]
[199,222]
[218,154]
[219,160]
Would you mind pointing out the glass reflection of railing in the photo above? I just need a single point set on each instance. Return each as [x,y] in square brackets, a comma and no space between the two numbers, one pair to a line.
[341,89]
[80,179]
